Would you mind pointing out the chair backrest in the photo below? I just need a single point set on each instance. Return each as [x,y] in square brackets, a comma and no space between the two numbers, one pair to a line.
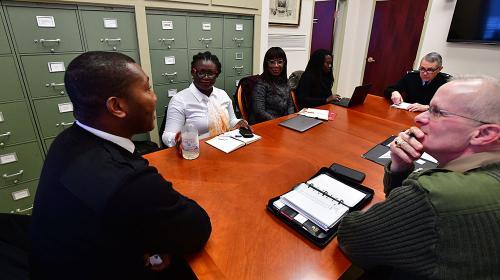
[293,94]
[293,80]
[244,96]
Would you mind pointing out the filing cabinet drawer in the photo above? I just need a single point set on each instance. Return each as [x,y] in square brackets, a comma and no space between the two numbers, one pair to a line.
[19,164]
[134,55]
[238,33]
[54,115]
[231,84]
[164,93]
[204,32]
[45,29]
[4,43]
[237,62]
[9,80]
[15,124]
[45,74]
[167,32]
[18,199]
[48,142]
[170,66]
[109,30]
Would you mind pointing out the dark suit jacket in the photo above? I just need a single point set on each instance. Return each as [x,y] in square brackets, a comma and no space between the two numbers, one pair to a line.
[412,90]
[99,208]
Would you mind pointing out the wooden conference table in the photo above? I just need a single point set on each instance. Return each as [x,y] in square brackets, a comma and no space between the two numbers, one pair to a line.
[247,242]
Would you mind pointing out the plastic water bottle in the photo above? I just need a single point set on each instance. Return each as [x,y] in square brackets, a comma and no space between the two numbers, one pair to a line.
[190,145]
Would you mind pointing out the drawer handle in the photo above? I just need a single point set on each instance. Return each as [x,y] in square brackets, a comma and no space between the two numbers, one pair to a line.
[205,39]
[18,210]
[238,67]
[6,134]
[168,74]
[43,41]
[64,124]
[111,40]
[238,39]
[54,85]
[6,176]
[166,39]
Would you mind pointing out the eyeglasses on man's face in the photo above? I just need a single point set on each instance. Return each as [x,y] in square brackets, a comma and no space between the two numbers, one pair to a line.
[206,74]
[427,70]
[435,112]
[276,62]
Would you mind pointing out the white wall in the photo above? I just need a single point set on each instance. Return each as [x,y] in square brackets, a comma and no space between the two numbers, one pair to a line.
[297,57]
[458,58]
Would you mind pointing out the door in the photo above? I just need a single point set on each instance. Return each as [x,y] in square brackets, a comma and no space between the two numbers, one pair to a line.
[324,18]
[394,39]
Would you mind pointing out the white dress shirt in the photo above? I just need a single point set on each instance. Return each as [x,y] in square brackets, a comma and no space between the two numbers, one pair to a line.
[125,143]
[190,106]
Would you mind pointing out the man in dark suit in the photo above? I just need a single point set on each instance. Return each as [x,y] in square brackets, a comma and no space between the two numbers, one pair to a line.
[101,212]
[418,87]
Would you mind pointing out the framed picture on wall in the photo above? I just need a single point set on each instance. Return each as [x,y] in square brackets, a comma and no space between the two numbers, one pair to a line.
[284,12]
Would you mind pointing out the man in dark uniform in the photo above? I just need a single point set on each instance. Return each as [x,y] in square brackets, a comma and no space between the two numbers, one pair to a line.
[101,212]
[418,87]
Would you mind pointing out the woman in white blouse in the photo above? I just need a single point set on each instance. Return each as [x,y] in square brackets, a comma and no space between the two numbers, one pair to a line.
[208,108]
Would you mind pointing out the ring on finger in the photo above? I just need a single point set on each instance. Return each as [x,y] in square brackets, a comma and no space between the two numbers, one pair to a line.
[398,141]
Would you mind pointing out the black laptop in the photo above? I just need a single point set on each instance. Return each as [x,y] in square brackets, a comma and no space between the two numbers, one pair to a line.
[358,97]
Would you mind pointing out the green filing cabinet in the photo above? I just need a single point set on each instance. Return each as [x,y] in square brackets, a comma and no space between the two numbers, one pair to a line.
[170,66]
[42,30]
[18,199]
[15,124]
[10,80]
[237,62]
[164,93]
[205,32]
[20,163]
[45,73]
[109,30]
[238,32]
[134,55]
[54,115]
[166,31]
[4,43]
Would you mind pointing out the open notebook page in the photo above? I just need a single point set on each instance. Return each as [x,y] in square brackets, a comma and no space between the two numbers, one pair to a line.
[320,209]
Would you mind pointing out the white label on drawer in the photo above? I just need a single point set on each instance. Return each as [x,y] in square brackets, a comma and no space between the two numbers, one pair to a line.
[169,60]
[206,26]
[238,56]
[167,25]
[65,107]
[239,27]
[237,82]
[45,21]
[172,92]
[21,194]
[1,117]
[8,158]
[110,22]
[56,67]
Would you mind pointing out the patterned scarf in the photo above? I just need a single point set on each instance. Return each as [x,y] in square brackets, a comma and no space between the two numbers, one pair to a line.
[218,117]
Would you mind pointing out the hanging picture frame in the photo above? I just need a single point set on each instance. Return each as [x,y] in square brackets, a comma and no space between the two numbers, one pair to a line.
[284,12]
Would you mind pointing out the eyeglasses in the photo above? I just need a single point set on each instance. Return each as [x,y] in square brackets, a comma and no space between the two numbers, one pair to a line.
[427,70]
[276,61]
[203,74]
[435,112]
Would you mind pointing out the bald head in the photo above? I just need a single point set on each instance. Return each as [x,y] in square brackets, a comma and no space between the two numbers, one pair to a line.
[477,97]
